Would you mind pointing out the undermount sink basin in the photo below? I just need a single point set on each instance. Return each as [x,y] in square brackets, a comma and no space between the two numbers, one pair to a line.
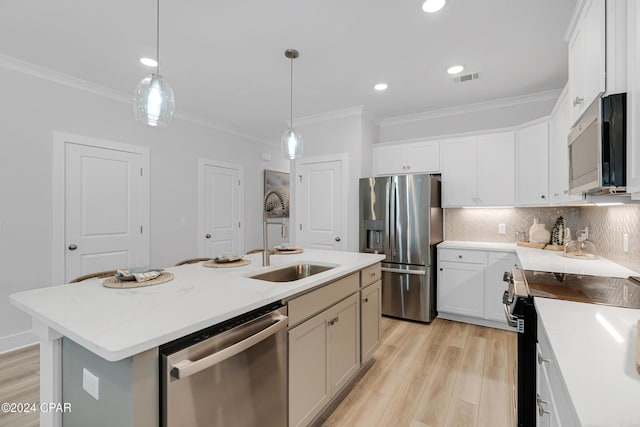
[292,273]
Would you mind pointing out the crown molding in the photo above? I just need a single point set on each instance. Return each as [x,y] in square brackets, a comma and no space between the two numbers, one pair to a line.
[573,21]
[48,74]
[62,79]
[330,115]
[471,108]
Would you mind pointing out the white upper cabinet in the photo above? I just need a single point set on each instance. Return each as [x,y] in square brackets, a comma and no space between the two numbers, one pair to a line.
[559,153]
[532,165]
[459,172]
[587,58]
[496,169]
[419,157]
[633,100]
[478,171]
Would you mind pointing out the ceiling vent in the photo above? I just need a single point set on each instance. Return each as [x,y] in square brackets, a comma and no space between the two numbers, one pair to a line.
[466,78]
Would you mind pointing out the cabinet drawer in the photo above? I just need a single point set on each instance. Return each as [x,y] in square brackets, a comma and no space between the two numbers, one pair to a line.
[370,274]
[462,255]
[307,305]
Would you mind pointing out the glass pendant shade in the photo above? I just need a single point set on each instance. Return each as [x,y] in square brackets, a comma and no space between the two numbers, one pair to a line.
[153,101]
[291,144]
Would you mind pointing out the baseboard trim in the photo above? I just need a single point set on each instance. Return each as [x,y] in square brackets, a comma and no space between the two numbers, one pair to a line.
[324,415]
[17,341]
[476,321]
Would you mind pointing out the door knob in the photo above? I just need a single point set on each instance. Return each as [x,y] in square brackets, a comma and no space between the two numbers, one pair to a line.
[73,247]
[208,236]
[337,239]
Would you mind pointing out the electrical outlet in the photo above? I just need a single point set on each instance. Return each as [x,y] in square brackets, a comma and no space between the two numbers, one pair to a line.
[625,243]
[91,384]
[502,229]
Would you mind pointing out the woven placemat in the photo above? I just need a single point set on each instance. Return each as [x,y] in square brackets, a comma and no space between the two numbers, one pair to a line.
[214,264]
[288,251]
[114,282]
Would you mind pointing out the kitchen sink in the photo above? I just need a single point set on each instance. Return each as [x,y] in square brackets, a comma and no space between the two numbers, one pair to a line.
[292,272]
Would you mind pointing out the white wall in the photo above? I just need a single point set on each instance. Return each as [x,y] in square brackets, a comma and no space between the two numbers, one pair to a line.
[493,115]
[344,134]
[31,110]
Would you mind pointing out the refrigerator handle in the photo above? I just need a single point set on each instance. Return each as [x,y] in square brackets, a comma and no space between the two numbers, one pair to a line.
[387,226]
[394,248]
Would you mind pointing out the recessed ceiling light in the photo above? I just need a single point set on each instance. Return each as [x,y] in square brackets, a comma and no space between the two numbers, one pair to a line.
[381,86]
[149,62]
[455,69]
[431,6]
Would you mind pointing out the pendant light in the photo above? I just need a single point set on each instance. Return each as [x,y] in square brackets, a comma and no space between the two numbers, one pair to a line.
[291,140]
[153,100]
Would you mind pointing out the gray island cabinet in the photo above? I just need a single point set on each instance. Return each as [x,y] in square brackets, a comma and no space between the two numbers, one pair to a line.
[99,346]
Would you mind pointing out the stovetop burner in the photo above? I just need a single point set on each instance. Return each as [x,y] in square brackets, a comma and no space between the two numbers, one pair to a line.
[613,291]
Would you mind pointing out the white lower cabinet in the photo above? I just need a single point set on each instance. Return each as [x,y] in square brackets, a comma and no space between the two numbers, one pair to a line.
[470,285]
[324,354]
[494,286]
[370,311]
[460,288]
[545,402]
[553,403]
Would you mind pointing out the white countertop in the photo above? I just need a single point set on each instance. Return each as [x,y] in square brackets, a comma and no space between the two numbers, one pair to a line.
[118,323]
[597,368]
[482,246]
[556,262]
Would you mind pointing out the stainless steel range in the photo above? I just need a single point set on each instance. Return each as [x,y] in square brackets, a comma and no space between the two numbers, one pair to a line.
[518,299]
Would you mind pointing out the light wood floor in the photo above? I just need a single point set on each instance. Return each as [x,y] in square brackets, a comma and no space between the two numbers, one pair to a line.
[442,374]
[20,383]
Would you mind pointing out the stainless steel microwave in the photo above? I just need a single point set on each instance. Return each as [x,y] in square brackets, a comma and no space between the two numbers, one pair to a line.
[597,148]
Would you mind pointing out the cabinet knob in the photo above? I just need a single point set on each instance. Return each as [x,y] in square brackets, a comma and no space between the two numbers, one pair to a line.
[208,236]
[337,239]
[540,402]
[578,101]
[73,247]
[441,269]
[459,256]
[543,196]
[365,300]
[542,359]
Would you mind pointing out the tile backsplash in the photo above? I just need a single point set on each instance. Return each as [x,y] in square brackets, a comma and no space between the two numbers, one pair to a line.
[607,226]
[481,225]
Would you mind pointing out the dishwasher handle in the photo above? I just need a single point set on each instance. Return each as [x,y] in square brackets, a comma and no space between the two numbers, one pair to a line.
[187,367]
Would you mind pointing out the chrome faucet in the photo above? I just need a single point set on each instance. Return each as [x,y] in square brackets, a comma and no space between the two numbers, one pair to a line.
[265,222]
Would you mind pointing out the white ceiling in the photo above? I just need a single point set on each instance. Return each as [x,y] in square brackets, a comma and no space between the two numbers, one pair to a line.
[225,59]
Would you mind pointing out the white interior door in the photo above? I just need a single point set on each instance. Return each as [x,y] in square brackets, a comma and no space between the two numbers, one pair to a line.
[221,223]
[320,202]
[106,201]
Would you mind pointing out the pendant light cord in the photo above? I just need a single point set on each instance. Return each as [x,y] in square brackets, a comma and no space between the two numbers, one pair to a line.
[291,93]
[158,38]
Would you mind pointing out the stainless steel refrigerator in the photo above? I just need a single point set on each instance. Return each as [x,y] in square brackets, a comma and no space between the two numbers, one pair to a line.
[401,217]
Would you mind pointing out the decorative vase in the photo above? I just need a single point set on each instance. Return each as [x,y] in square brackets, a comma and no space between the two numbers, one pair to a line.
[538,233]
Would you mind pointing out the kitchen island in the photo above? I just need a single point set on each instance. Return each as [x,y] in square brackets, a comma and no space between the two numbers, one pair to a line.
[117,324]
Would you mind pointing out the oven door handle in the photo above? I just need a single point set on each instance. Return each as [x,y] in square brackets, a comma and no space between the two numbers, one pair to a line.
[511,319]
[187,367]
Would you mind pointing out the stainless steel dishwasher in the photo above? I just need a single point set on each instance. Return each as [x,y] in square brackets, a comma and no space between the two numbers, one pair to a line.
[231,374]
